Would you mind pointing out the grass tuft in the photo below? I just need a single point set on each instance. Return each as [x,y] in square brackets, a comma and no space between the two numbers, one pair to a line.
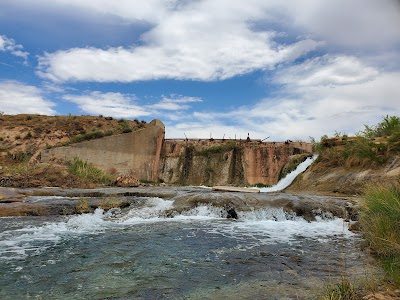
[82,206]
[88,172]
[344,290]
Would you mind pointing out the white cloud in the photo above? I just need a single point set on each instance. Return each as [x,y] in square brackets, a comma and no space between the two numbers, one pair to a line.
[175,102]
[219,39]
[9,45]
[233,55]
[307,105]
[110,104]
[203,40]
[127,106]
[17,98]
[327,70]
[360,24]
[128,10]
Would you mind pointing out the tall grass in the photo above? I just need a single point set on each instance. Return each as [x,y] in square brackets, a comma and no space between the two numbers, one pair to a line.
[88,172]
[371,147]
[380,220]
[344,290]
[359,152]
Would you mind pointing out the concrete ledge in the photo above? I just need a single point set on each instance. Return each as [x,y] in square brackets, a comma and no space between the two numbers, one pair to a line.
[234,189]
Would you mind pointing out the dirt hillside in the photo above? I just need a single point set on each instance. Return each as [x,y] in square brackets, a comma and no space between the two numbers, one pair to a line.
[327,176]
[22,137]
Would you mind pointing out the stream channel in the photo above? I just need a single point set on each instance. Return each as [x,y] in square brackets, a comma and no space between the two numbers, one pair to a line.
[177,243]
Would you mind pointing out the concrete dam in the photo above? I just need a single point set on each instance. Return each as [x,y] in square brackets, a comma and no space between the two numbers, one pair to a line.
[148,156]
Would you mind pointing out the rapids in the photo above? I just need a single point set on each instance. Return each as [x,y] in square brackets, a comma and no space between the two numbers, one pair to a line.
[177,243]
[145,252]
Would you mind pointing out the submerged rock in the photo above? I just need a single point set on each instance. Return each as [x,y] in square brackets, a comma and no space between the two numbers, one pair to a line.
[231,212]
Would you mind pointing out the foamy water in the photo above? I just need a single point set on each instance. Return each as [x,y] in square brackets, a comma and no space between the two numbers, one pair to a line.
[289,178]
[265,226]
[149,251]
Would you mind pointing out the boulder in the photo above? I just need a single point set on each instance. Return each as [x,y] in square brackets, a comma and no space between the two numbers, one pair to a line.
[127,181]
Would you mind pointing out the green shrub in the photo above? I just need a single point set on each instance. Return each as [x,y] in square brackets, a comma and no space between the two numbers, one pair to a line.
[22,156]
[124,126]
[358,151]
[87,136]
[380,220]
[394,142]
[88,172]
[388,126]
[217,149]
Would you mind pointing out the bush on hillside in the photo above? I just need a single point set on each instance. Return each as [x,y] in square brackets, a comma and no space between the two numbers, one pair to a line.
[370,147]
[390,125]
[90,136]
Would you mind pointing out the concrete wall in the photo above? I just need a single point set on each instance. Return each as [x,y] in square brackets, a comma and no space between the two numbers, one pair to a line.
[147,156]
[135,153]
[205,162]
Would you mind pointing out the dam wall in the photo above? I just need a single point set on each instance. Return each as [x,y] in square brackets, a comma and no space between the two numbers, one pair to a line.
[226,162]
[146,155]
[136,153]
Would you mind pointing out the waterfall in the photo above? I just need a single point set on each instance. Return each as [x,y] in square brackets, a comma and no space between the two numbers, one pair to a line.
[288,179]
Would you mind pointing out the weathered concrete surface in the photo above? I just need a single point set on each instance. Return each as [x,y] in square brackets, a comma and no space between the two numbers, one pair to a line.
[136,153]
[229,162]
[263,163]
[234,189]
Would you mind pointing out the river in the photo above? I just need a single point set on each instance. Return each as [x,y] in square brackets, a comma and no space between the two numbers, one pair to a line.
[142,253]
[180,246]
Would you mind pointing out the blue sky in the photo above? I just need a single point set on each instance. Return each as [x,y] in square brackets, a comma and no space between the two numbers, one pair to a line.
[277,69]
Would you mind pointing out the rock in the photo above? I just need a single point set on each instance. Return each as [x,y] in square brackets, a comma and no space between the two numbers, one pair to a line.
[231,212]
[9,193]
[127,181]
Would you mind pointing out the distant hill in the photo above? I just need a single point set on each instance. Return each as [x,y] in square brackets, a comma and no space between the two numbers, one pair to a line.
[22,137]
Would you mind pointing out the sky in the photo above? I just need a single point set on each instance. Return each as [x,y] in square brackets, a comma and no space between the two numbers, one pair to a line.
[276,70]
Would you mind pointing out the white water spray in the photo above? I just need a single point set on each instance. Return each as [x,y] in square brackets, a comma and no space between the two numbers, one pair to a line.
[288,179]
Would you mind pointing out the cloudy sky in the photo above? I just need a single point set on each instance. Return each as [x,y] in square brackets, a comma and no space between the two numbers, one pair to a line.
[279,69]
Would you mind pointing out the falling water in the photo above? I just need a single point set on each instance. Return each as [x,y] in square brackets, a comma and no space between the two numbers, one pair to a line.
[288,179]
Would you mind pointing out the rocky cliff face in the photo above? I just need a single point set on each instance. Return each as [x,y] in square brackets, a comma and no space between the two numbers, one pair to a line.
[205,162]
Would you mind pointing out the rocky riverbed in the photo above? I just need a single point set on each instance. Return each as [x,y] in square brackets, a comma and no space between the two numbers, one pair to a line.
[174,243]
[58,201]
